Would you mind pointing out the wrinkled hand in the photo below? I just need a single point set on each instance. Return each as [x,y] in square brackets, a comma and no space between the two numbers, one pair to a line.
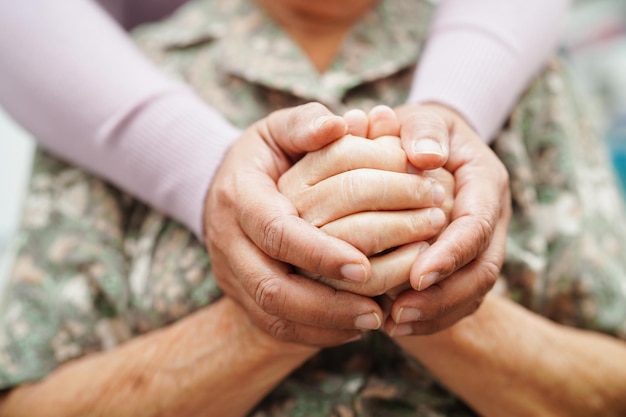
[366,193]
[254,234]
[453,275]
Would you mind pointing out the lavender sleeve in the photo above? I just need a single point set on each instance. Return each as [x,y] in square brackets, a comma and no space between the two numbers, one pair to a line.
[74,79]
[481,54]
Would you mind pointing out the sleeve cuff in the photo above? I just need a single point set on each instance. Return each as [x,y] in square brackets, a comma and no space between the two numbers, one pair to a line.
[172,150]
[471,73]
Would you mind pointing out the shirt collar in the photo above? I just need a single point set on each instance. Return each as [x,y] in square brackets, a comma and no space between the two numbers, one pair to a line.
[252,46]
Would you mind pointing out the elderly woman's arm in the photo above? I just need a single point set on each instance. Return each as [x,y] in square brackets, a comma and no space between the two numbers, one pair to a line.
[507,361]
[212,363]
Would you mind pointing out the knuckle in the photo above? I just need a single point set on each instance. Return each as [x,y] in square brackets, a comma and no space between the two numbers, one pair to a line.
[484,228]
[457,257]
[415,223]
[420,187]
[282,329]
[325,318]
[350,184]
[268,295]
[373,244]
[304,109]
[273,232]
[486,224]
[489,276]
[358,186]
[301,114]
[431,124]
[306,112]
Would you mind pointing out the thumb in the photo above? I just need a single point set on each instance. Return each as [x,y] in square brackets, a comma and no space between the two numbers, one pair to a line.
[305,128]
[425,134]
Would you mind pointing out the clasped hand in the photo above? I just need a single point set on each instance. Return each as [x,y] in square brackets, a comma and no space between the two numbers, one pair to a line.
[296,198]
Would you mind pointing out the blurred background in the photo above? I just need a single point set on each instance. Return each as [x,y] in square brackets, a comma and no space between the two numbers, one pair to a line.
[594,46]
[15,156]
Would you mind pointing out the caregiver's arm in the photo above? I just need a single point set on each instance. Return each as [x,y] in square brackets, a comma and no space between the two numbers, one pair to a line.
[506,360]
[211,363]
[100,104]
[73,78]
[94,99]
[481,54]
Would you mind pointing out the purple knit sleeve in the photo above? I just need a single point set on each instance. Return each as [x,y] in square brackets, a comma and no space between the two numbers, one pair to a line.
[72,77]
[75,80]
[481,54]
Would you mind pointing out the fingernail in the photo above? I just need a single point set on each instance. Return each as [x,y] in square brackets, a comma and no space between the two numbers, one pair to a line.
[407,315]
[438,193]
[437,218]
[317,123]
[428,280]
[369,321]
[426,146]
[354,272]
[401,330]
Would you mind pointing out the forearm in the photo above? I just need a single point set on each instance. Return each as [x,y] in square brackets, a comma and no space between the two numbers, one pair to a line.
[212,363]
[77,82]
[481,54]
[505,360]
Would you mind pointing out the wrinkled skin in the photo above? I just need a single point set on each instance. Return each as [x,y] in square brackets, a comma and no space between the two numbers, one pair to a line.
[286,304]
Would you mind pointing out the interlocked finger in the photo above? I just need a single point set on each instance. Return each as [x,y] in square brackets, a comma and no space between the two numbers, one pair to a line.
[366,190]
[375,232]
[389,271]
[346,154]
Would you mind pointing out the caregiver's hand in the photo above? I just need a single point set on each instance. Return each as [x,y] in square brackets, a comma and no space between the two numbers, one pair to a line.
[453,275]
